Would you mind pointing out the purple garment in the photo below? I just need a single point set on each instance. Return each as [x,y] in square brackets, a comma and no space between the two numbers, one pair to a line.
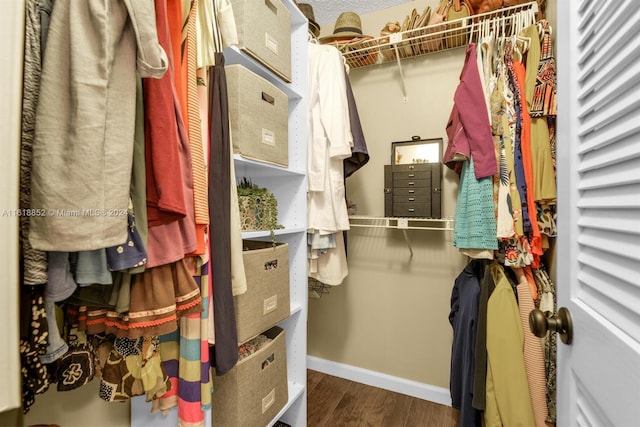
[468,128]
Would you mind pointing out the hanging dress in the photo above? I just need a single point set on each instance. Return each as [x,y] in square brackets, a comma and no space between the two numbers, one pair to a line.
[83,144]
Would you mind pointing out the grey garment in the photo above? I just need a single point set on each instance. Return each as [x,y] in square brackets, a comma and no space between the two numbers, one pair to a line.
[359,153]
[91,268]
[225,355]
[61,284]
[83,144]
[34,261]
[46,8]
[138,176]
[56,345]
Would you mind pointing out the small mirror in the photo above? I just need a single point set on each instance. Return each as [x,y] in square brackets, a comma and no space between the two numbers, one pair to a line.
[416,151]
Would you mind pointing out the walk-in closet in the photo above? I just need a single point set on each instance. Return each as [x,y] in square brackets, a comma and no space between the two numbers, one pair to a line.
[320,213]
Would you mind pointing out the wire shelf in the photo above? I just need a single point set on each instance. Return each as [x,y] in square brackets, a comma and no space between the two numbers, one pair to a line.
[367,51]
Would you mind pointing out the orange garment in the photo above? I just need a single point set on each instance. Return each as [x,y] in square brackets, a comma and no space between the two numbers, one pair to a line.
[528,274]
[525,142]
[199,170]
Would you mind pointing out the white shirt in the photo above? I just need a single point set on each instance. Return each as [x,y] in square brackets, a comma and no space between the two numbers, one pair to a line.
[330,139]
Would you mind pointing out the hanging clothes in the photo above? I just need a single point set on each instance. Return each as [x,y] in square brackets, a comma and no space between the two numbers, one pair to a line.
[86,117]
[533,356]
[330,140]
[34,261]
[170,202]
[359,153]
[463,318]
[508,398]
[468,126]
[329,148]
[474,221]
[226,335]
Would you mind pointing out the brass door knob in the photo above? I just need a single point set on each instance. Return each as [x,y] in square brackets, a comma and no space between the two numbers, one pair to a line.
[560,323]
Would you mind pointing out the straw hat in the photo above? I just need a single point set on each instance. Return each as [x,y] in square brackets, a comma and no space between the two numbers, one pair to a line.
[347,26]
[307,10]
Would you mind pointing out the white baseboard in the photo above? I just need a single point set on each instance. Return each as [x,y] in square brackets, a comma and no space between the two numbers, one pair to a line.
[376,379]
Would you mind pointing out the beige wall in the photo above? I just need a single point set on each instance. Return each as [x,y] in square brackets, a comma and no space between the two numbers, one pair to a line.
[78,408]
[391,313]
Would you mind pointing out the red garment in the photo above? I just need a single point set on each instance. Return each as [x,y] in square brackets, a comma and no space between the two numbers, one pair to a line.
[175,22]
[525,144]
[165,195]
[468,128]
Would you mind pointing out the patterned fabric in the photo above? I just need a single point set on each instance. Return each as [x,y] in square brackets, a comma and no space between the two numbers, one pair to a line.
[33,343]
[551,122]
[544,95]
[474,222]
[501,181]
[133,368]
[515,252]
[130,254]
[34,261]
[548,304]
[509,129]
[252,346]
[190,397]
[185,359]
[78,365]
[517,147]
[547,216]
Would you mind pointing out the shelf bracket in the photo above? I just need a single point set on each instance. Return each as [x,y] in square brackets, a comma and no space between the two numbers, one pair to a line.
[395,39]
[406,238]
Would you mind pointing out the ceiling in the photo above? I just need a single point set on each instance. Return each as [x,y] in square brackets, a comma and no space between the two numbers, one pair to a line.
[327,11]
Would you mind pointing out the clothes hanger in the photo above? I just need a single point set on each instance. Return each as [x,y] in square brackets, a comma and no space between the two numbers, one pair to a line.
[311,38]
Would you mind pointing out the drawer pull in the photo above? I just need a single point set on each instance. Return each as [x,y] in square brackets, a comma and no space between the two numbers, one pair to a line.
[271,6]
[268,98]
[412,199]
[411,183]
[412,191]
[412,175]
[412,167]
[411,210]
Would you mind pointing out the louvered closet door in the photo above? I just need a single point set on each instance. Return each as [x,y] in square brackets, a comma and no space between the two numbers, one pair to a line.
[598,254]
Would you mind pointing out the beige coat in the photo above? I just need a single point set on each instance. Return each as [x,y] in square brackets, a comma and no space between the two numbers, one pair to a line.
[83,146]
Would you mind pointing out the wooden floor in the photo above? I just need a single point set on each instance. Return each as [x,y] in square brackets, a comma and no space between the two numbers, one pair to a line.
[336,402]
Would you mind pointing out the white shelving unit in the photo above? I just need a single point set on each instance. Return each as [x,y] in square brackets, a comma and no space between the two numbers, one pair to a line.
[289,186]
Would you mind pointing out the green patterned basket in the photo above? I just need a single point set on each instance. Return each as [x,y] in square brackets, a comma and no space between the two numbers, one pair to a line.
[258,207]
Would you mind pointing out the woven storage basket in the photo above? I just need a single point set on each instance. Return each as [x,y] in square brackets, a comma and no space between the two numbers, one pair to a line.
[266,301]
[256,389]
